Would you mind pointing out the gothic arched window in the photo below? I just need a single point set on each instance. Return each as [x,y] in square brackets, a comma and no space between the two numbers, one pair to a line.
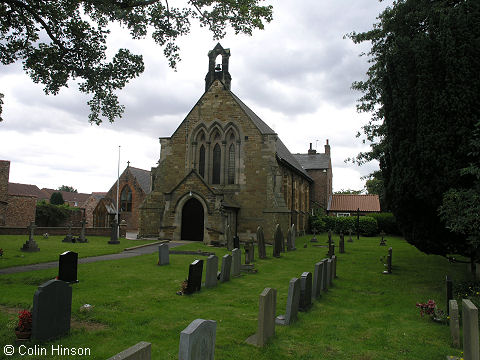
[231,164]
[217,160]
[126,199]
[201,161]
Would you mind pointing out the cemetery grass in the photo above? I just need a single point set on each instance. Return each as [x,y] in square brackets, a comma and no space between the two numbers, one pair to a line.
[53,246]
[366,315]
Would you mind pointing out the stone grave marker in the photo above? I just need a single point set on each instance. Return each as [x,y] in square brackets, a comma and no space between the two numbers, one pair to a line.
[249,252]
[314,238]
[289,240]
[449,288]
[114,233]
[140,351]
[325,276]
[82,238]
[236,262]
[194,282]
[211,271]
[229,238]
[471,350]
[383,242]
[350,235]
[69,238]
[52,308]
[317,279]
[305,291]
[389,263]
[67,267]
[294,236]
[262,254]
[31,245]
[266,318]
[163,254]
[329,272]
[197,340]
[329,236]
[341,243]
[236,242]
[293,303]
[334,267]
[226,266]
[278,241]
[454,323]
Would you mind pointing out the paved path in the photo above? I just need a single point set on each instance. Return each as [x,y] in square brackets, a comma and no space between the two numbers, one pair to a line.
[149,249]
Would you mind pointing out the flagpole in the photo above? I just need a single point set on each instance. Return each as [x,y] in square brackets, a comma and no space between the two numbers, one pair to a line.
[118,188]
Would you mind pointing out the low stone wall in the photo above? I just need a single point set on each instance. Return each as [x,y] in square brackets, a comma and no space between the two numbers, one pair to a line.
[6,230]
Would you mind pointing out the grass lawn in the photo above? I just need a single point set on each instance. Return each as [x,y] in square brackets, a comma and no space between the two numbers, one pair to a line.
[364,316]
[53,246]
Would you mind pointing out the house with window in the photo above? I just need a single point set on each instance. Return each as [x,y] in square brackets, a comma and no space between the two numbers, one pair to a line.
[222,166]
[134,185]
[350,204]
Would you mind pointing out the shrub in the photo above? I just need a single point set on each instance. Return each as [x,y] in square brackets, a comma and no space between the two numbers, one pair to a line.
[51,215]
[56,198]
[368,226]
[386,222]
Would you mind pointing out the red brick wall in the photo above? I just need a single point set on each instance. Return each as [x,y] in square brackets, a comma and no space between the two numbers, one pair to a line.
[90,205]
[322,186]
[20,210]
[56,231]
[4,175]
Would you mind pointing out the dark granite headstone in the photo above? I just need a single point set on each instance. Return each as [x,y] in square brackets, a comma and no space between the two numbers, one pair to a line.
[236,242]
[262,254]
[31,245]
[278,241]
[114,233]
[67,267]
[194,282]
[341,243]
[52,308]
[449,287]
[305,291]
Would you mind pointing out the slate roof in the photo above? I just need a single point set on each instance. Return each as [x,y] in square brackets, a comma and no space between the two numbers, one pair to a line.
[143,177]
[68,196]
[282,152]
[26,190]
[313,161]
[350,203]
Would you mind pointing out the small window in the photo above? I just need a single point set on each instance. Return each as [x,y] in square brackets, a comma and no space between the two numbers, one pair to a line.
[217,158]
[231,164]
[343,214]
[126,199]
[201,162]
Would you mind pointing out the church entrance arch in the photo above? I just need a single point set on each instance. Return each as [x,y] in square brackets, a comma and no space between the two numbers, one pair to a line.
[192,220]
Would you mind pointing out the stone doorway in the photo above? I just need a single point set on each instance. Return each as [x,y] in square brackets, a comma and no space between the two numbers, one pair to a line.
[192,220]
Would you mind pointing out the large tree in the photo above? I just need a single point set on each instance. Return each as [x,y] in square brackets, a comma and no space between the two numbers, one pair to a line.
[62,40]
[423,89]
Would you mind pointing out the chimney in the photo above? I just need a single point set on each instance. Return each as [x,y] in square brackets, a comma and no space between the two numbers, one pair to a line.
[327,149]
[311,151]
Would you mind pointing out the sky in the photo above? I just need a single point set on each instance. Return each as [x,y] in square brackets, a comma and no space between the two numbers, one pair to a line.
[296,75]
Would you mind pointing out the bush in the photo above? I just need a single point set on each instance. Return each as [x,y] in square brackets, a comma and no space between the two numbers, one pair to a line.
[51,215]
[368,226]
[56,198]
[386,223]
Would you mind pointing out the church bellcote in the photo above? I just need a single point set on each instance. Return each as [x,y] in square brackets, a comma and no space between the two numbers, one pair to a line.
[218,71]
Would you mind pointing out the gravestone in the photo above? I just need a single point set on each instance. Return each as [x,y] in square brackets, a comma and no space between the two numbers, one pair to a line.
[314,238]
[334,267]
[140,351]
[454,323]
[82,238]
[341,243]
[305,291]
[471,350]
[329,237]
[194,282]
[228,234]
[236,242]
[226,266]
[163,255]
[52,308]
[331,250]
[249,252]
[266,318]
[389,263]
[383,242]
[262,254]
[67,267]
[325,276]
[236,261]
[197,340]
[69,238]
[317,279]
[114,233]
[449,287]
[278,241]
[31,245]
[294,236]
[293,302]
[289,240]
[329,272]
[211,271]
[350,235]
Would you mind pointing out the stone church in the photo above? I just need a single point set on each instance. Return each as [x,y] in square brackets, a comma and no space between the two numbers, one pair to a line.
[224,165]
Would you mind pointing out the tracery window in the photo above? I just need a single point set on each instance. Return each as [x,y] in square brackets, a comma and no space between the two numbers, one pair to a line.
[126,199]
[231,164]
[201,161]
[217,162]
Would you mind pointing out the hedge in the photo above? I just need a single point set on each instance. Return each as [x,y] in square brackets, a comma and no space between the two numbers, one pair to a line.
[368,225]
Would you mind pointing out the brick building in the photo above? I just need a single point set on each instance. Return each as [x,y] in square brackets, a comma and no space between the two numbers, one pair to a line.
[4,175]
[224,165]
[134,185]
[350,204]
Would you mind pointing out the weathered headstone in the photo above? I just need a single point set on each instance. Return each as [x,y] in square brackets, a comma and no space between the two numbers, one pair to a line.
[31,245]
[226,266]
[211,271]
[383,242]
[229,238]
[341,243]
[236,242]
[331,250]
[278,241]
[82,238]
[140,351]
[329,236]
[471,350]
[197,340]
[350,235]
[52,308]
[289,240]
[266,318]
[249,252]
[305,291]
[454,323]
[163,255]
[329,272]
[314,238]
[325,276]
[293,303]
[236,261]
[389,263]
[294,236]
[317,280]
[114,233]
[67,267]
[334,267]
[194,282]
[449,288]
[262,254]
